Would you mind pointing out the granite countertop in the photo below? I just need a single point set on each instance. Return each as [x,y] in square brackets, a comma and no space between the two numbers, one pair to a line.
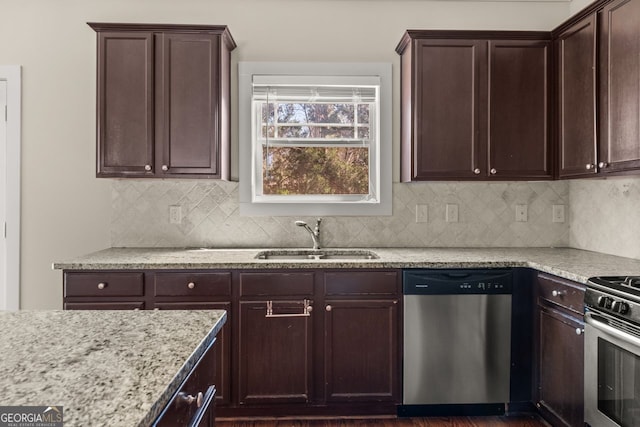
[117,368]
[573,264]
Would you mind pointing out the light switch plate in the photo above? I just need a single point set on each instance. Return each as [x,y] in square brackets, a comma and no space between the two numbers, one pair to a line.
[452,213]
[557,213]
[422,213]
[521,213]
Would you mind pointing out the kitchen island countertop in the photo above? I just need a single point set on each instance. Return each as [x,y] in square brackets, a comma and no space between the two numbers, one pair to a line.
[573,264]
[116,368]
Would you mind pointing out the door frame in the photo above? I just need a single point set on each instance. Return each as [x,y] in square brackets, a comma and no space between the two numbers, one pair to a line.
[10,281]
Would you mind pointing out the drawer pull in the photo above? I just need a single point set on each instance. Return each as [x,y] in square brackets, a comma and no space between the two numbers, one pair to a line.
[579,331]
[190,399]
[556,293]
[328,308]
[191,285]
[306,310]
[102,285]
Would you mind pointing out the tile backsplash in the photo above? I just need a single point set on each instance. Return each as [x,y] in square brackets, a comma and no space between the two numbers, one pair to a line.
[605,215]
[210,217]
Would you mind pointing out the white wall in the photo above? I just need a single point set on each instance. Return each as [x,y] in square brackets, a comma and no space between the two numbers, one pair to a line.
[65,209]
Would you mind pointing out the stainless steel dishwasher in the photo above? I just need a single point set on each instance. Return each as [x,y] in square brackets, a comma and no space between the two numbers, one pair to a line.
[457,342]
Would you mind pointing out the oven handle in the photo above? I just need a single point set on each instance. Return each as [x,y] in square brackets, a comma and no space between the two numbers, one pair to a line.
[604,327]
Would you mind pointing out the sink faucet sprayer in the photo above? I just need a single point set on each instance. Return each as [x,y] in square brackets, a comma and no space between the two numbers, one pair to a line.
[315,234]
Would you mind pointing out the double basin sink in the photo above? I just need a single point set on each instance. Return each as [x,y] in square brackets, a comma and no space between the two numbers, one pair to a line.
[316,254]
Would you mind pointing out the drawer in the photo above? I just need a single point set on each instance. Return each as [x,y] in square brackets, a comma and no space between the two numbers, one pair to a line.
[191,284]
[103,284]
[134,305]
[562,292]
[275,284]
[179,412]
[375,283]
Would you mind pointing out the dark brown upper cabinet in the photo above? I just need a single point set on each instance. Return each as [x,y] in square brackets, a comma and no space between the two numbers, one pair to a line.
[599,90]
[619,67]
[577,142]
[163,100]
[475,105]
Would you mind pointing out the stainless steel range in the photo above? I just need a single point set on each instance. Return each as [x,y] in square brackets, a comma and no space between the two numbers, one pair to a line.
[612,351]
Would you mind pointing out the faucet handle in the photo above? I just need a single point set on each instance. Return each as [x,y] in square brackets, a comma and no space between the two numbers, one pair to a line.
[318,221]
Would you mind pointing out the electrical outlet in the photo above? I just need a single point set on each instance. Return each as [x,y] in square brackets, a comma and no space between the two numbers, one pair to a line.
[521,213]
[422,213]
[452,213]
[175,214]
[557,213]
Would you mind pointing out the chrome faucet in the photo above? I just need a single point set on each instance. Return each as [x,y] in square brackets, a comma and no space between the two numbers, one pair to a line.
[315,234]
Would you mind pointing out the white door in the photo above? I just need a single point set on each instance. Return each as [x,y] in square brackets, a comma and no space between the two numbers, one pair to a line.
[3,196]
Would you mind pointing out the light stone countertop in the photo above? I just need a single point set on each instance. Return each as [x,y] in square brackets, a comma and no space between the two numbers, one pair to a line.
[573,264]
[117,368]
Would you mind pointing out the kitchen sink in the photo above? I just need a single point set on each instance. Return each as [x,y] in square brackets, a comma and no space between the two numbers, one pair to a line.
[316,254]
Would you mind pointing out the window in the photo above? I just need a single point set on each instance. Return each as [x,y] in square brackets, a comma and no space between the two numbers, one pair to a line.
[312,137]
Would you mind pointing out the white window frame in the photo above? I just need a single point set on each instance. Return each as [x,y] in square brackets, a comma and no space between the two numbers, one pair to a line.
[250,161]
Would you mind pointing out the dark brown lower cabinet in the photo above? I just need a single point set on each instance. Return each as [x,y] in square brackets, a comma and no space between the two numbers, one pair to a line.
[338,356]
[560,367]
[361,365]
[275,356]
[194,403]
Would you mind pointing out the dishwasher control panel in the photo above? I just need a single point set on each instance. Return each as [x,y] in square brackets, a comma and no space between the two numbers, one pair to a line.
[458,281]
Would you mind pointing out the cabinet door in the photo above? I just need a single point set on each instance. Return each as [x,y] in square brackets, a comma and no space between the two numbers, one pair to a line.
[518,141]
[222,349]
[561,364]
[361,364]
[450,98]
[125,103]
[187,104]
[620,86]
[275,354]
[577,98]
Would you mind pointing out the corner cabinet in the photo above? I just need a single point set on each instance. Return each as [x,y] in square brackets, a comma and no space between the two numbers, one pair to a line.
[559,369]
[599,90]
[619,101]
[163,100]
[475,105]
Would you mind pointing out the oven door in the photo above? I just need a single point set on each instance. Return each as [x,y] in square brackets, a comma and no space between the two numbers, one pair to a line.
[612,372]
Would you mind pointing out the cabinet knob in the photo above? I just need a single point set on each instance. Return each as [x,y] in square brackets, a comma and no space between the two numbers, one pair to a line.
[603,165]
[147,167]
[579,331]
[190,399]
[476,171]
[191,285]
[556,293]
[165,168]
[102,285]
[328,308]
[589,166]
[493,171]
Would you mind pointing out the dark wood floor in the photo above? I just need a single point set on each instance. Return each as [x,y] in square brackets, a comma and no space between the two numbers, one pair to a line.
[523,421]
